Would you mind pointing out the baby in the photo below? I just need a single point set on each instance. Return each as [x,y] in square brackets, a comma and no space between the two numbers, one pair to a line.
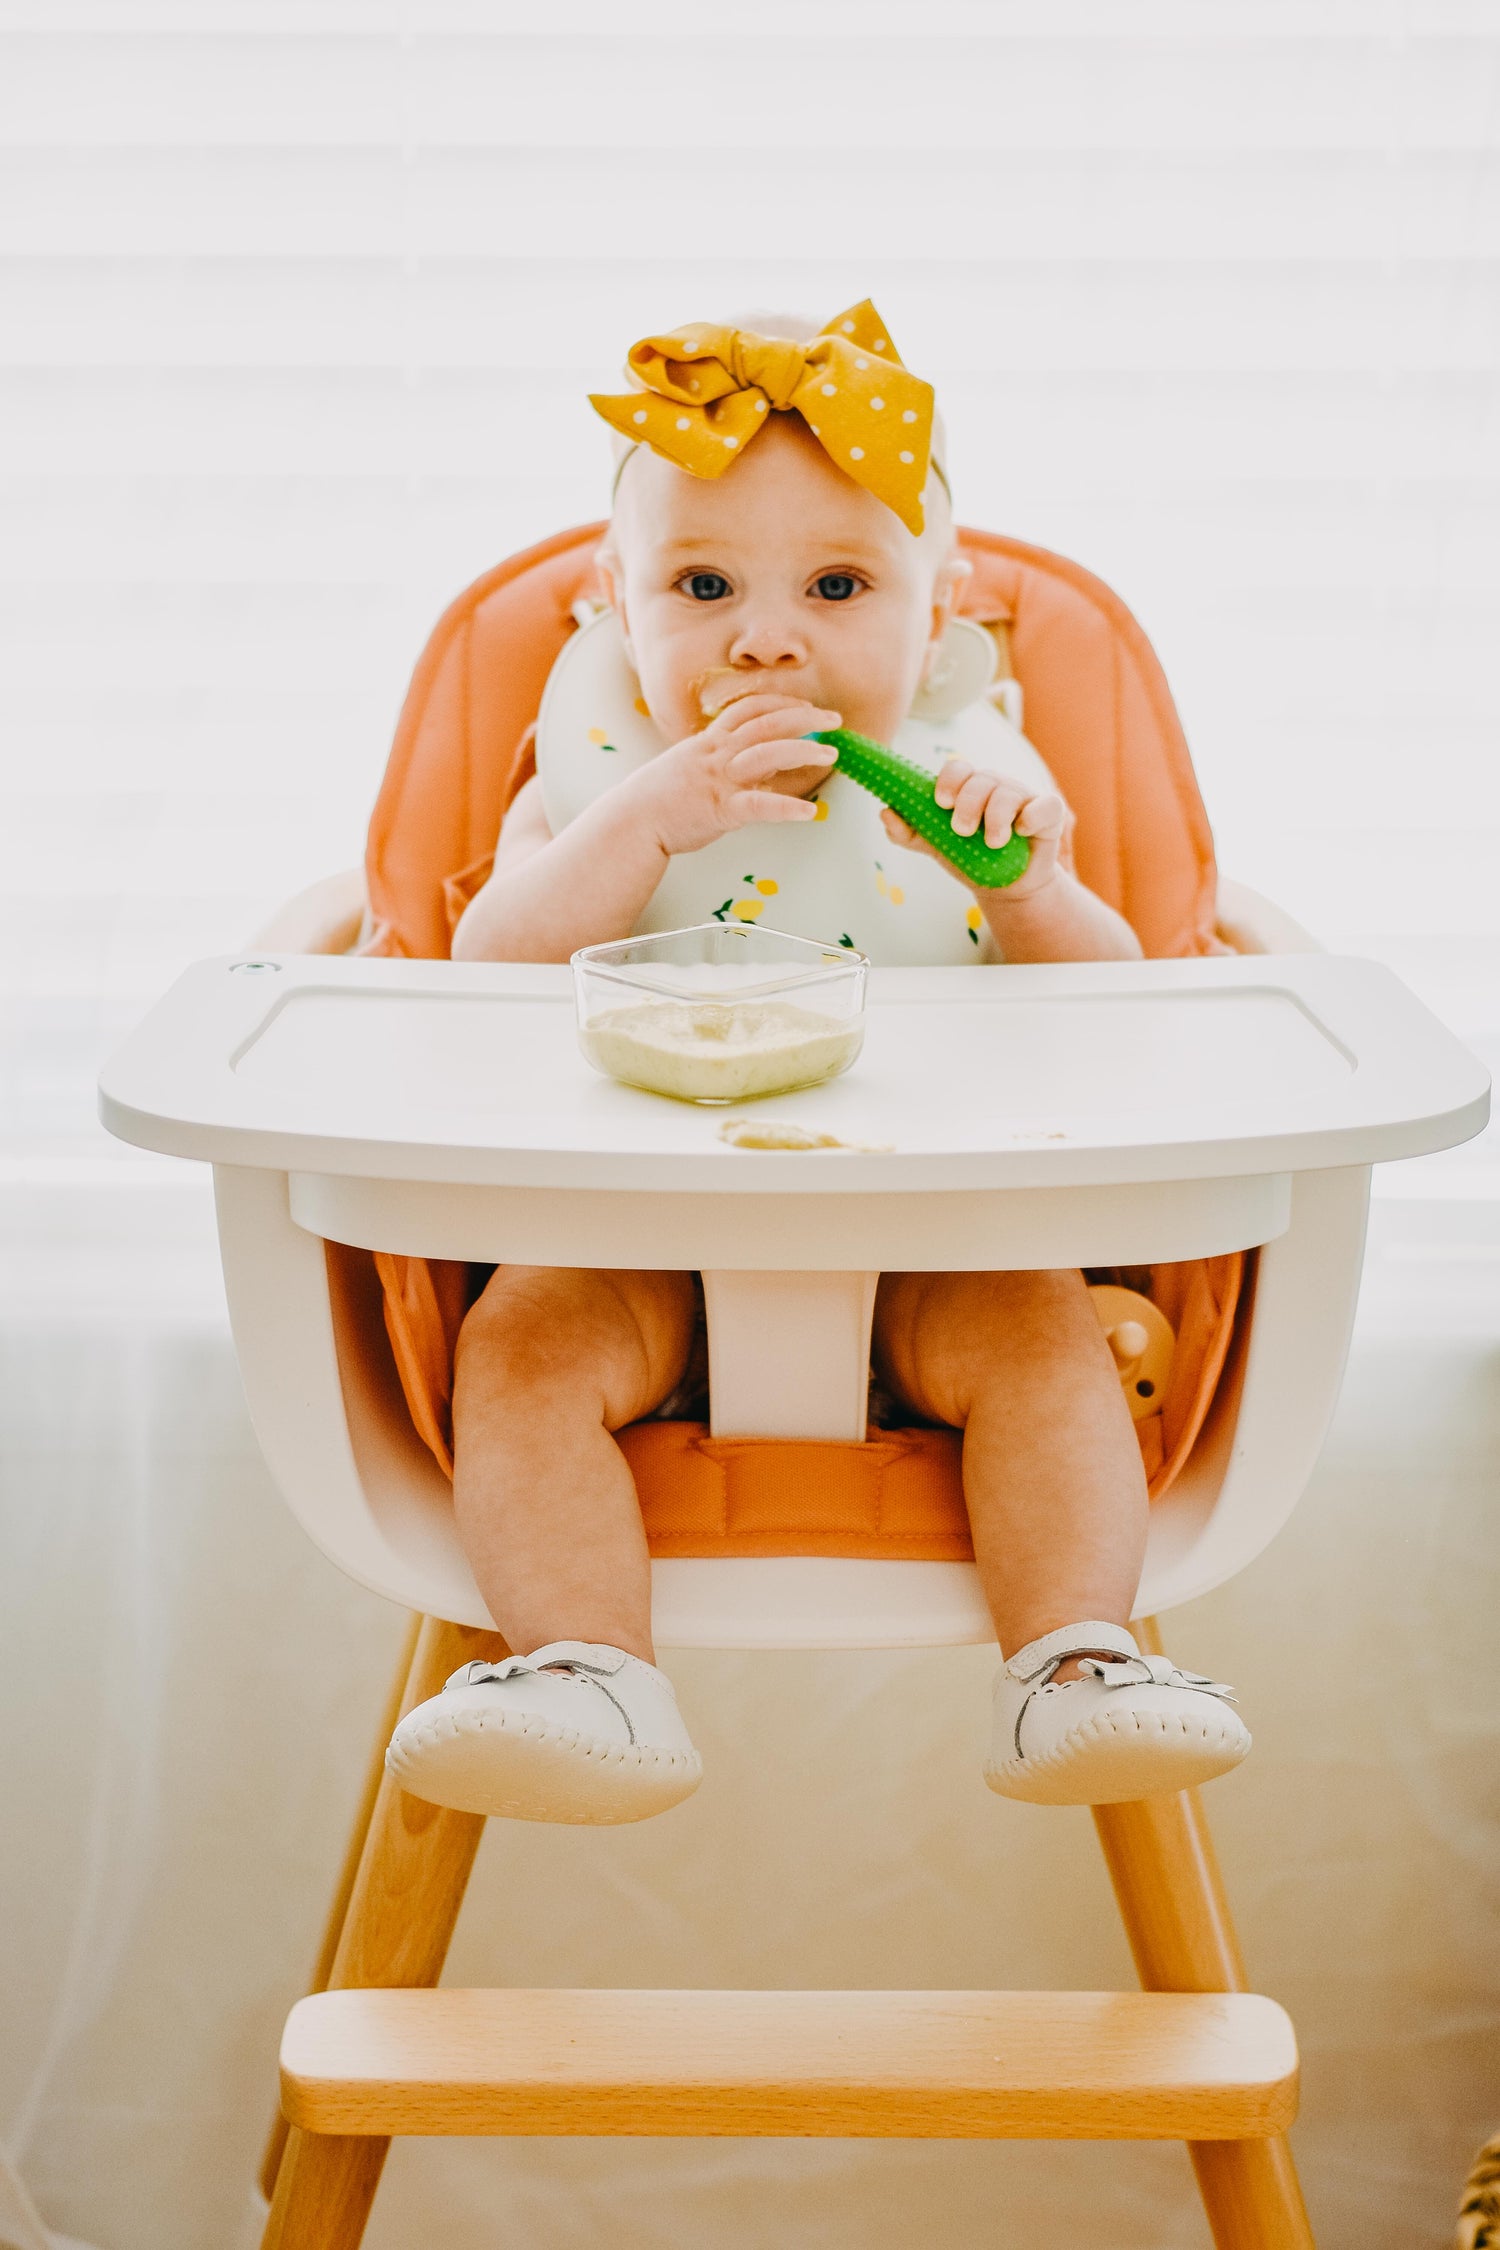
[771,578]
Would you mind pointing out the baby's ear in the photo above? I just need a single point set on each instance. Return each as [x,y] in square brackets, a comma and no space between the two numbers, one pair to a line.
[947,586]
[612,579]
[607,564]
[951,579]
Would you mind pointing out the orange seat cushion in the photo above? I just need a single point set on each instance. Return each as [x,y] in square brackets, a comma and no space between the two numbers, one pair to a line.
[897,1497]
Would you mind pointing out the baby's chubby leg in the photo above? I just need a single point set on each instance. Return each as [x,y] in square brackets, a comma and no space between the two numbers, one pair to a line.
[1052,1473]
[1057,1506]
[577,1725]
[551,1361]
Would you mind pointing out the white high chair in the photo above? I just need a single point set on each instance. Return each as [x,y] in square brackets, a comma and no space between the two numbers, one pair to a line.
[1068,1115]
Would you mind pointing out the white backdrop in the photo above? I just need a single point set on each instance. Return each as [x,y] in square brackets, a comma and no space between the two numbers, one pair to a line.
[1211,294]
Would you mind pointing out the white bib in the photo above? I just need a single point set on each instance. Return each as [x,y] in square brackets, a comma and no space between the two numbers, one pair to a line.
[839,880]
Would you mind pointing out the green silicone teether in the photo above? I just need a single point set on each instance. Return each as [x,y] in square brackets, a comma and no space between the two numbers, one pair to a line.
[910,791]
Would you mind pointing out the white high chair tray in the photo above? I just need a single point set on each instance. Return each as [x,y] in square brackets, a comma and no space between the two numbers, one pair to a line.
[1015,1077]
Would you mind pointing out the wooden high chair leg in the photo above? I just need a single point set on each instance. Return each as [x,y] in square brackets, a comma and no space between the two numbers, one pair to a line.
[1166,1878]
[412,1873]
[338,1905]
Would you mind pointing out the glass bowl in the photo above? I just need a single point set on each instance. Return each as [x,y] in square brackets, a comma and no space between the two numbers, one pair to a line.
[721,1013]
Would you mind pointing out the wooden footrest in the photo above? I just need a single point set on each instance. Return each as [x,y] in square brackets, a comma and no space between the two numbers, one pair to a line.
[929,2065]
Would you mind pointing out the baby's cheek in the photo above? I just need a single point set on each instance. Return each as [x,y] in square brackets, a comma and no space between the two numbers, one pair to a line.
[668,657]
[873,707]
[669,700]
[875,690]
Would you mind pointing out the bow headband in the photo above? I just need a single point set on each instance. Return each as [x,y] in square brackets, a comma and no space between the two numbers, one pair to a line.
[705,391]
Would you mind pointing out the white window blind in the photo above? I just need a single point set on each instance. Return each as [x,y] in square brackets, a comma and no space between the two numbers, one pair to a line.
[302,301]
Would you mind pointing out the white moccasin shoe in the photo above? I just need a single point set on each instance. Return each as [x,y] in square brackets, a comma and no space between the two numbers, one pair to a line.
[1135,1728]
[575,1731]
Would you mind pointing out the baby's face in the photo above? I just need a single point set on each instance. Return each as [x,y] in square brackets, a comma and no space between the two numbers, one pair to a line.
[782,575]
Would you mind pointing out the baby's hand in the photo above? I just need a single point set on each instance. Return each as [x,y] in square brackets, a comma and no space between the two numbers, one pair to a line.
[751,763]
[978,799]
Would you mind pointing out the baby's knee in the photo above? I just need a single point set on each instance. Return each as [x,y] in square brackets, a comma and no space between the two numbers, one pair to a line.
[541,1329]
[1046,1315]
[957,1314]
[1050,1294]
[532,1322]
[944,1335]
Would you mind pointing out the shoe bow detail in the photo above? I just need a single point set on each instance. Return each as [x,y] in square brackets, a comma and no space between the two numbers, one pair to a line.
[1158,1671]
[558,1656]
[517,1667]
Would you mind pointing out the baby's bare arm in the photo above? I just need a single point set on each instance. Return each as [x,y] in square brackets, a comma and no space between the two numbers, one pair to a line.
[1065,921]
[548,895]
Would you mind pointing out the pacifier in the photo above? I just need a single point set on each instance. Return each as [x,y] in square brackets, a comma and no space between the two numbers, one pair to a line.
[1142,1343]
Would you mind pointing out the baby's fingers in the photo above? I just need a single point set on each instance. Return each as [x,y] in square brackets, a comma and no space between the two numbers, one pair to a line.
[749,805]
[983,802]
[1042,817]
[950,781]
[910,838]
[762,718]
[759,760]
[1001,814]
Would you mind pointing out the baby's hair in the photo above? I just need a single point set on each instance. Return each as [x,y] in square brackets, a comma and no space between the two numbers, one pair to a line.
[796,326]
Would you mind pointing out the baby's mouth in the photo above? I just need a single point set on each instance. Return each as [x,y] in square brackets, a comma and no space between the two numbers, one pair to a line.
[724,684]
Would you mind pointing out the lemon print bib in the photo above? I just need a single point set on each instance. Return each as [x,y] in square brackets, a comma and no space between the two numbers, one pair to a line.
[839,879]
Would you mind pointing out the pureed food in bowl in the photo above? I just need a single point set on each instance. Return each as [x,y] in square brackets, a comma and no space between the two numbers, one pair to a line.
[720,1013]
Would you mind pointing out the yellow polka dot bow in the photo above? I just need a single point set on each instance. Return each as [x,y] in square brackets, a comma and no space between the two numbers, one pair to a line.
[705,391]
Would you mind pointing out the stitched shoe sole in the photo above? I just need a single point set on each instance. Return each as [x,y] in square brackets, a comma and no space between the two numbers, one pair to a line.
[1116,1757]
[518,1768]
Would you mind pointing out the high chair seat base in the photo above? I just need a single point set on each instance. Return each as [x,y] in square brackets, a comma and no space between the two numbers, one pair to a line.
[948,2065]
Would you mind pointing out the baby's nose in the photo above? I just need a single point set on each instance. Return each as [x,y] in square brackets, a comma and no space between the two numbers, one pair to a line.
[770,644]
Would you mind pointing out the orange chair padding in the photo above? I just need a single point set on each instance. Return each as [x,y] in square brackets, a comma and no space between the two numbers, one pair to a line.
[1099,711]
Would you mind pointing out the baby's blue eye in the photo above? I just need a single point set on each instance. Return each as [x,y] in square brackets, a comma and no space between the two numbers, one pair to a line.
[707,586]
[837,585]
